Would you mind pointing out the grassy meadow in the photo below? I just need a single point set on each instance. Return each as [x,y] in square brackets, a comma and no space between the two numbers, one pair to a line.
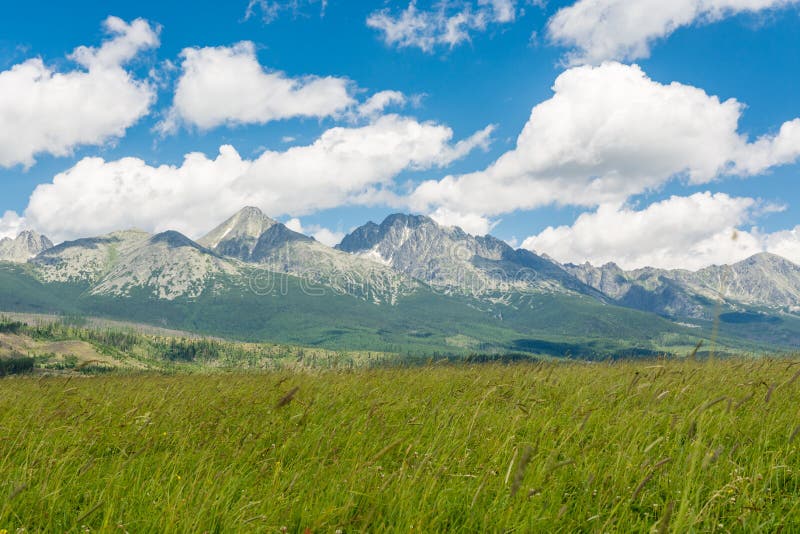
[671,445]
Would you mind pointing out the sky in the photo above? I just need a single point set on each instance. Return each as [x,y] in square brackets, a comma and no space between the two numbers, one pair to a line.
[643,132]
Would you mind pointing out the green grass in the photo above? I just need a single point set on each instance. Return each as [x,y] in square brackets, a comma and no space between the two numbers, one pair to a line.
[670,445]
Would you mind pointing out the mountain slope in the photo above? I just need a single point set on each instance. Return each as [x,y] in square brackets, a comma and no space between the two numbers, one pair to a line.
[764,281]
[87,260]
[169,265]
[450,259]
[24,247]
[166,266]
[422,323]
[253,237]
[238,236]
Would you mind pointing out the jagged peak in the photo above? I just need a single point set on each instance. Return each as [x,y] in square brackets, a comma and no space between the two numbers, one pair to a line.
[407,220]
[248,213]
[251,211]
[249,223]
[764,257]
[25,234]
[25,246]
[29,236]
[610,265]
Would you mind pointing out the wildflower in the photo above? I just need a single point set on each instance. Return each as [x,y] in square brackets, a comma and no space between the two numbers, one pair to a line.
[3,531]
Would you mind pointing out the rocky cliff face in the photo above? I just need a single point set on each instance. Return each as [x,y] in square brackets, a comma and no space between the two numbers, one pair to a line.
[24,247]
[764,280]
[255,238]
[87,260]
[238,236]
[166,266]
[448,257]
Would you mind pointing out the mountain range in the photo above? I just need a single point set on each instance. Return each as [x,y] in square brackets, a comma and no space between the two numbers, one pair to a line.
[406,284]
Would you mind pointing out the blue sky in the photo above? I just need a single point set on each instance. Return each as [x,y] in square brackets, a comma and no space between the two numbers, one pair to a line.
[493,71]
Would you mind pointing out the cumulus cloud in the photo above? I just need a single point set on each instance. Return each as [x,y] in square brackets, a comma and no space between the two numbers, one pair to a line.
[770,150]
[343,166]
[377,103]
[43,110]
[448,24]
[680,232]
[11,224]
[320,233]
[607,133]
[598,30]
[785,243]
[226,85]
[471,223]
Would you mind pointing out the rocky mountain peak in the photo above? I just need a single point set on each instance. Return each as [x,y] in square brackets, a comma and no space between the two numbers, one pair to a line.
[766,259]
[764,278]
[24,247]
[449,257]
[404,219]
[238,236]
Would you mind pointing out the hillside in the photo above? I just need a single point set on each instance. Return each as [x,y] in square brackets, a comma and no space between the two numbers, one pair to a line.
[765,281]
[455,262]
[407,285]
[49,345]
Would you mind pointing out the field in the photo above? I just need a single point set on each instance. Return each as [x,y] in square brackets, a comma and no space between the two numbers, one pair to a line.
[670,445]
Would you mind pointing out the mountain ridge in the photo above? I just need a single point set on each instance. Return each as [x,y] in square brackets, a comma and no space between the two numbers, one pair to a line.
[763,279]
[453,260]
[252,273]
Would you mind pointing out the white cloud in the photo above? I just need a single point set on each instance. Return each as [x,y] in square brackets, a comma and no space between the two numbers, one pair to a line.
[470,223]
[679,232]
[770,150]
[320,233]
[270,10]
[598,30]
[608,133]
[326,236]
[343,166]
[785,243]
[377,103]
[227,85]
[295,225]
[11,224]
[503,10]
[46,111]
[447,24]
